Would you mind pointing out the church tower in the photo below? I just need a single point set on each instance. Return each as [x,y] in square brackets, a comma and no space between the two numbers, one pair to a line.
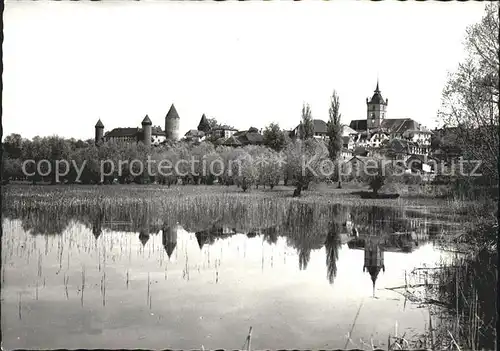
[172,124]
[376,109]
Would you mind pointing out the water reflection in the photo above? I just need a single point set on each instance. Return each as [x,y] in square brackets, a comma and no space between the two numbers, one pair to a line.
[169,239]
[306,228]
[332,244]
[374,258]
[208,236]
[237,263]
[97,224]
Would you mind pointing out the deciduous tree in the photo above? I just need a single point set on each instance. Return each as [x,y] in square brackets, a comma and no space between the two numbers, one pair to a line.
[471,94]
[306,127]
[274,137]
[304,161]
[334,130]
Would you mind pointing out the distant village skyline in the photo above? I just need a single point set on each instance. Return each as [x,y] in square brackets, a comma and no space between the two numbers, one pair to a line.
[62,81]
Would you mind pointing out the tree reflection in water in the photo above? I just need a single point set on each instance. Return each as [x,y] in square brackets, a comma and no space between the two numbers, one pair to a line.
[306,227]
[332,245]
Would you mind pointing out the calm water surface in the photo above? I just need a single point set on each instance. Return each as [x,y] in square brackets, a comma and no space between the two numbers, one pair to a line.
[129,278]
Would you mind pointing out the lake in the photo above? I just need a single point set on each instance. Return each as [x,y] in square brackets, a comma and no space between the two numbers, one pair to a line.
[301,275]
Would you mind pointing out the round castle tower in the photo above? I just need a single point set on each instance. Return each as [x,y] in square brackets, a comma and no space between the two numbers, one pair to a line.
[172,124]
[99,132]
[146,130]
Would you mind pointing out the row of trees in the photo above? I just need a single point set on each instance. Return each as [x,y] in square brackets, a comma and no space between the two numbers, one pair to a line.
[202,163]
[280,158]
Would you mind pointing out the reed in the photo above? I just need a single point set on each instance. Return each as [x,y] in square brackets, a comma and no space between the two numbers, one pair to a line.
[19,306]
[3,271]
[149,286]
[40,265]
[463,294]
[104,289]
[75,198]
[66,281]
[83,284]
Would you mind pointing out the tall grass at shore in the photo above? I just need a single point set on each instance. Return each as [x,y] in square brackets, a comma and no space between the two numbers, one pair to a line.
[75,199]
[468,291]
[462,294]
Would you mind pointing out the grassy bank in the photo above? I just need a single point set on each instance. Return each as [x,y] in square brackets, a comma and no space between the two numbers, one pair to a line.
[34,195]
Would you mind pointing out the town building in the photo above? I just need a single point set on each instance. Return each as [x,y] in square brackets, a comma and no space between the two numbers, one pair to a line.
[194,136]
[346,154]
[252,136]
[221,132]
[320,129]
[236,138]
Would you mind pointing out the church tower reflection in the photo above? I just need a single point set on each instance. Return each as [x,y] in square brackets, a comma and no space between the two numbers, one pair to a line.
[374,258]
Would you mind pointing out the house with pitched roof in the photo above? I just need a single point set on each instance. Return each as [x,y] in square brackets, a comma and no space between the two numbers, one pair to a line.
[252,136]
[320,129]
[221,132]
[402,149]
[194,135]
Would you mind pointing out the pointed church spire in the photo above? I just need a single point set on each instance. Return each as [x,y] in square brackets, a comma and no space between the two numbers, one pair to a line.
[377,90]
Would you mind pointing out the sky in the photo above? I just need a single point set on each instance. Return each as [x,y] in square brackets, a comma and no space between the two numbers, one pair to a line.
[67,64]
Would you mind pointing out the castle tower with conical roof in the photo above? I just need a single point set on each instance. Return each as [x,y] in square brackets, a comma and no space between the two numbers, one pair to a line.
[376,109]
[99,132]
[172,124]
[204,126]
[146,131]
